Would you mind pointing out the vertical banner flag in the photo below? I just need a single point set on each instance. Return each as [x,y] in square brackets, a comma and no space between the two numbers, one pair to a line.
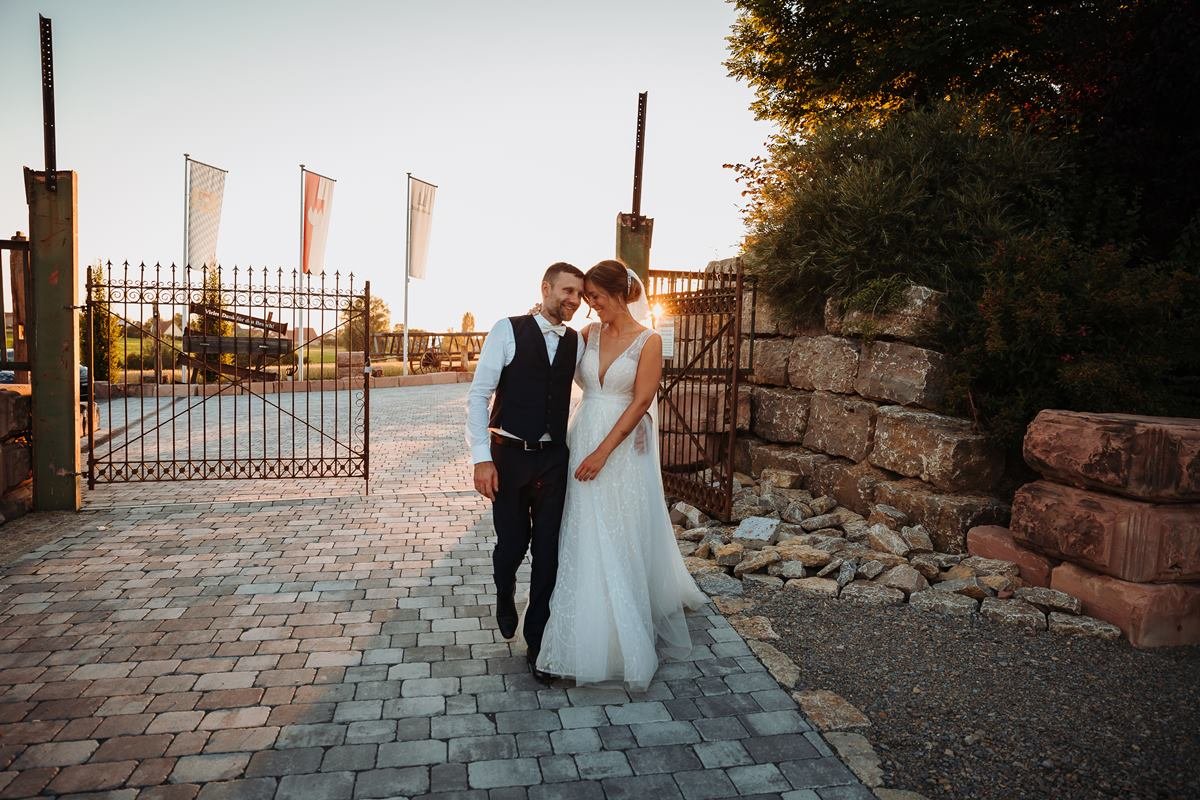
[205,193]
[420,220]
[318,206]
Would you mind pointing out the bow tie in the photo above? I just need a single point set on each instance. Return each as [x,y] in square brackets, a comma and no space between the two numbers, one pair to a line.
[561,330]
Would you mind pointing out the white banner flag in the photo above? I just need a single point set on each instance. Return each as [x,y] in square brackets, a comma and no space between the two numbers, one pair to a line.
[205,193]
[318,207]
[420,220]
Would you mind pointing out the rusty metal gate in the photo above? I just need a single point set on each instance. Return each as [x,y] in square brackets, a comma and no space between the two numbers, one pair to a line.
[699,315]
[197,374]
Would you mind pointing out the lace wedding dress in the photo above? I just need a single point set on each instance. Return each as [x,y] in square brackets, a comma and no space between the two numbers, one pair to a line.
[622,585]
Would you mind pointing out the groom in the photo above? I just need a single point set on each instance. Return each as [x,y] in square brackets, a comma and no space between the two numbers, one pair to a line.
[520,450]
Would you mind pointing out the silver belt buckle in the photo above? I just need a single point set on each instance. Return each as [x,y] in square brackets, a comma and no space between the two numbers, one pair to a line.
[528,449]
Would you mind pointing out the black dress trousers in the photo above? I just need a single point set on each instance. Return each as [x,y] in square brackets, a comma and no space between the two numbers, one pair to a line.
[528,512]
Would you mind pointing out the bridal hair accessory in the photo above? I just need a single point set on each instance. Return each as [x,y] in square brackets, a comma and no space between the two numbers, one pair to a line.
[628,280]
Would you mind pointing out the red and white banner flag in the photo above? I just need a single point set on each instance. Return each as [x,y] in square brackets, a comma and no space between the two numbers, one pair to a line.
[318,207]
[420,221]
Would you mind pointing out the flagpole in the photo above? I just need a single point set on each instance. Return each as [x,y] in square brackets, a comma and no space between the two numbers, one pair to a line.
[301,369]
[186,158]
[407,259]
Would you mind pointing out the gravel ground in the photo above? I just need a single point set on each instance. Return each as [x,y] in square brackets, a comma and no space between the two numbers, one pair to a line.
[975,709]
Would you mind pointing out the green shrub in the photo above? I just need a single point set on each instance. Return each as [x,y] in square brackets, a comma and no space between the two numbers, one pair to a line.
[1047,303]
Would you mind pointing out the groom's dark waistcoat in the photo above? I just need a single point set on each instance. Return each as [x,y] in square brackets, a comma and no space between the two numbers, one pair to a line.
[534,395]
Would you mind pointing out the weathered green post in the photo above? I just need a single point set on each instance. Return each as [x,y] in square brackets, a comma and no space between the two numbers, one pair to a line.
[634,231]
[54,345]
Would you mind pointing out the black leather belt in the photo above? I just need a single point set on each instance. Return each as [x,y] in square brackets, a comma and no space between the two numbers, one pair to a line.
[521,444]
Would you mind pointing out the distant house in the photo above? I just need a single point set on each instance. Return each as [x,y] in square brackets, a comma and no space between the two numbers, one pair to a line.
[309,336]
[166,328]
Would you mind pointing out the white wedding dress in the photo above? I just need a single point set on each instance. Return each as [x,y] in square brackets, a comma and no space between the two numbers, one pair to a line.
[622,585]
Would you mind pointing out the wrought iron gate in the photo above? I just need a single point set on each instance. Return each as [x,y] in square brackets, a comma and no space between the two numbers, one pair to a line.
[198,374]
[700,317]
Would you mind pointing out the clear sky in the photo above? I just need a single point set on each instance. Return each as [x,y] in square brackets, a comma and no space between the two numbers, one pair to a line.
[522,111]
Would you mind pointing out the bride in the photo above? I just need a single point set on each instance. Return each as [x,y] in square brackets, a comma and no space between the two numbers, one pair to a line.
[622,585]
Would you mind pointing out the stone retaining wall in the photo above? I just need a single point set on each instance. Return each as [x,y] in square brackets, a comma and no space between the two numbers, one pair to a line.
[16,462]
[1115,520]
[855,406]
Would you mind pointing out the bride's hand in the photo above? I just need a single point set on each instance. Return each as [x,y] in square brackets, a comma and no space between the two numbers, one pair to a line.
[591,466]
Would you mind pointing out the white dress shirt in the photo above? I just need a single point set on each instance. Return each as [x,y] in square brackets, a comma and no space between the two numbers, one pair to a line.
[499,350]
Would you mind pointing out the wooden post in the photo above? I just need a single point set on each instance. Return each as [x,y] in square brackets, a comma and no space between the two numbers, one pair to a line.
[18,265]
[54,347]
[633,243]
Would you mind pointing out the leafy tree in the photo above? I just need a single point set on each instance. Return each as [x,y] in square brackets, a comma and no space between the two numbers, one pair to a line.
[352,334]
[105,358]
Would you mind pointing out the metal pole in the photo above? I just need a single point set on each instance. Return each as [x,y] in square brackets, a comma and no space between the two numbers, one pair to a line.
[366,388]
[300,367]
[639,148]
[407,260]
[47,46]
[184,370]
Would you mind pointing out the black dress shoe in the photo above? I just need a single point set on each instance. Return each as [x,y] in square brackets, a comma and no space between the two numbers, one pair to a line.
[531,656]
[506,614]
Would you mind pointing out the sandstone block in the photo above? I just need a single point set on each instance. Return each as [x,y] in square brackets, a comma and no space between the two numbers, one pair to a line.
[894,518]
[764,319]
[871,594]
[1128,539]
[970,587]
[993,541]
[787,570]
[794,459]
[782,668]
[1073,625]
[840,426]
[1150,615]
[780,415]
[918,539]
[16,464]
[883,538]
[15,410]
[688,516]
[829,711]
[771,362]
[695,406]
[754,627]
[782,479]
[729,555]
[1013,612]
[755,533]
[1145,458]
[906,579]
[767,581]
[803,554]
[947,517]
[955,605]
[919,310]
[701,566]
[901,373]
[851,485]
[941,450]
[871,570]
[1049,599]
[754,561]
[825,363]
[745,407]
[923,564]
[990,566]
[821,587]
[718,583]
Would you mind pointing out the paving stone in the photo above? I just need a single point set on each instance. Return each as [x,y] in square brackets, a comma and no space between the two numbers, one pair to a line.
[705,784]
[522,721]
[813,773]
[410,754]
[771,723]
[448,778]
[650,734]
[482,748]
[728,753]
[248,789]
[575,740]
[637,712]
[326,786]
[392,782]
[274,763]
[350,757]
[460,725]
[783,747]
[507,772]
[668,758]
[91,777]
[558,769]
[605,764]
[639,787]
[206,768]
[55,754]
[576,790]
[758,779]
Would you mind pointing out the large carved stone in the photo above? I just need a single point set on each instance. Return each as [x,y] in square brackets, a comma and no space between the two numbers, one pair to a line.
[993,541]
[901,373]
[941,450]
[764,319]
[840,426]
[793,459]
[745,406]
[1125,538]
[771,361]
[1146,458]
[947,517]
[780,415]
[694,406]
[826,363]
[1149,614]
[918,312]
[851,485]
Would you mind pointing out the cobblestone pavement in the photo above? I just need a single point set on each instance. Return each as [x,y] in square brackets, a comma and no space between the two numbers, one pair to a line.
[205,640]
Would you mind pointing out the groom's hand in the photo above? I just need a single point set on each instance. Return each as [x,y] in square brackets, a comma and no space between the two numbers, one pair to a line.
[487,480]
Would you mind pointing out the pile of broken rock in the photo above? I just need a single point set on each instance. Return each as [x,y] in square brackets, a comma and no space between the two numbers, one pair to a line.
[785,538]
